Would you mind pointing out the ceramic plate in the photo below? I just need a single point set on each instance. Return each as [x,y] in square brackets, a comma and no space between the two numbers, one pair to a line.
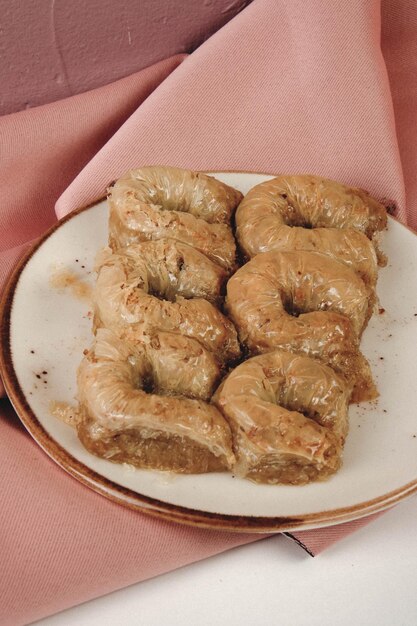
[46,328]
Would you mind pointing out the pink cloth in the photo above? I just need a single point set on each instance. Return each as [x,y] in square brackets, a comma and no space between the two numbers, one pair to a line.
[304,87]
[287,85]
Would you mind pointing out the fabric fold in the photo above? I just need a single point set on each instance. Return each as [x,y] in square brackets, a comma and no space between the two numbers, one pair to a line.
[295,95]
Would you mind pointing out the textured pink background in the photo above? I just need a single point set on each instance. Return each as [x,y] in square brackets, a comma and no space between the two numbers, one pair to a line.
[52,49]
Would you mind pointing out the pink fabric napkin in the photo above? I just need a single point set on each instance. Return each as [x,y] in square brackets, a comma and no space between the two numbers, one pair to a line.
[287,85]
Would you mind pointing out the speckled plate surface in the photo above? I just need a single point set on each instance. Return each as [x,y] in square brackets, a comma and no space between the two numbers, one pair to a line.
[46,328]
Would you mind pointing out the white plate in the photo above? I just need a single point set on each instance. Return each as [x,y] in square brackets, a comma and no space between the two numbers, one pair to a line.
[46,330]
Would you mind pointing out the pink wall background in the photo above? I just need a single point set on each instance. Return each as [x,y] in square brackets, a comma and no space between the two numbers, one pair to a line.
[51,49]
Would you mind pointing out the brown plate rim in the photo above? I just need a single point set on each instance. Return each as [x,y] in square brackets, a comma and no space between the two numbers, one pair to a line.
[132,499]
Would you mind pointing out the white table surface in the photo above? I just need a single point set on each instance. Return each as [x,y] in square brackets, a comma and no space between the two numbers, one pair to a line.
[368,578]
